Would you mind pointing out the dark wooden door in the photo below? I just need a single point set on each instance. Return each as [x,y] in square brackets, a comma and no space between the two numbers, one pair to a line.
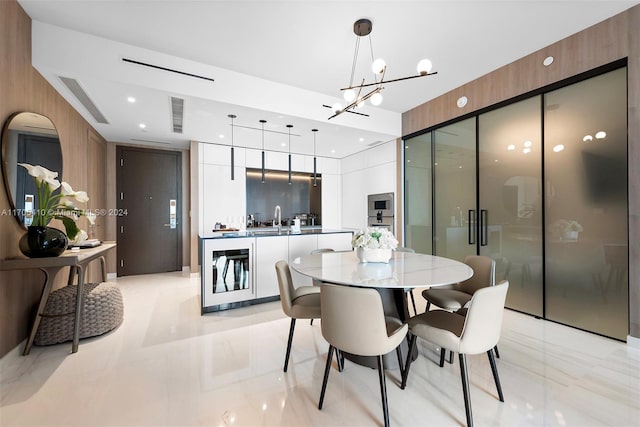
[149,224]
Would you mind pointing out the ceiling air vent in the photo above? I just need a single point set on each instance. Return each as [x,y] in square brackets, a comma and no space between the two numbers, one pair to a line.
[81,95]
[177,114]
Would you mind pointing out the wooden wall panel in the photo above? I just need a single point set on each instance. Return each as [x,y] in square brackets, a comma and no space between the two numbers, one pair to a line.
[584,51]
[601,44]
[22,88]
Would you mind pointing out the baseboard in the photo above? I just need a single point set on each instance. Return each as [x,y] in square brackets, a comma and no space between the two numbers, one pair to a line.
[112,276]
[633,342]
[186,269]
[14,354]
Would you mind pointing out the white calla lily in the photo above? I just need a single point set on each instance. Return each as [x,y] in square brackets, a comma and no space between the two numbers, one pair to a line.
[57,205]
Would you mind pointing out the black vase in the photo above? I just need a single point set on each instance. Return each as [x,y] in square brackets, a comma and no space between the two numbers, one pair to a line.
[41,242]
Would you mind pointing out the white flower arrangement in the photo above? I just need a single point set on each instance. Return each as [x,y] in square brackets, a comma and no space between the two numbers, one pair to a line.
[374,238]
[52,205]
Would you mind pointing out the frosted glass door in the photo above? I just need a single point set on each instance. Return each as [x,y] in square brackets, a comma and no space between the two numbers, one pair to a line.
[418,195]
[586,180]
[510,193]
[454,163]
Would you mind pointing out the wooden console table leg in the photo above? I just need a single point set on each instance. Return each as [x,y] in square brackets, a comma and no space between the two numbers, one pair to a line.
[103,265]
[79,301]
[49,275]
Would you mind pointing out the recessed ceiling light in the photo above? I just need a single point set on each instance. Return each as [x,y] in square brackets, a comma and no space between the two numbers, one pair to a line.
[282,144]
[361,139]
[587,138]
[511,147]
[333,151]
[462,101]
[221,136]
[558,148]
[131,99]
[548,61]
[601,135]
[142,125]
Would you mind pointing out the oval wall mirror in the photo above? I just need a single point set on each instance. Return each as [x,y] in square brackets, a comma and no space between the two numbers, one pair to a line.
[27,138]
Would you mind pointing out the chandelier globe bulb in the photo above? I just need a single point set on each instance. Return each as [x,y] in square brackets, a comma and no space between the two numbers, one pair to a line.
[378,66]
[349,95]
[424,67]
[376,99]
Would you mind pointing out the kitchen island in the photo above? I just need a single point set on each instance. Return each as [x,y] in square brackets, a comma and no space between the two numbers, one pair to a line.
[237,267]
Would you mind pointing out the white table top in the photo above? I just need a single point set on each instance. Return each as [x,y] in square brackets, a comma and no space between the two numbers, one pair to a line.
[404,270]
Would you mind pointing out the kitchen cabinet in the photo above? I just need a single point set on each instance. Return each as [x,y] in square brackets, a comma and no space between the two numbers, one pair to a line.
[269,250]
[239,270]
[300,246]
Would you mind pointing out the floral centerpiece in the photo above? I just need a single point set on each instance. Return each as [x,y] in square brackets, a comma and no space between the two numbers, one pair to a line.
[40,239]
[374,244]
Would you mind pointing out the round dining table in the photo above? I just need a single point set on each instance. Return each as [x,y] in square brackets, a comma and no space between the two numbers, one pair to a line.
[404,271]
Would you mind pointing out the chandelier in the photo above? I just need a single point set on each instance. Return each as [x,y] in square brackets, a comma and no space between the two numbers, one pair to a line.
[355,96]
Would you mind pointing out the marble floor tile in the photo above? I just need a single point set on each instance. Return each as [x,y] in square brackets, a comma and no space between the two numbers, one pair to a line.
[167,365]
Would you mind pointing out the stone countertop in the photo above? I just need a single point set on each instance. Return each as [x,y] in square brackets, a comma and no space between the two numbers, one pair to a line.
[270,232]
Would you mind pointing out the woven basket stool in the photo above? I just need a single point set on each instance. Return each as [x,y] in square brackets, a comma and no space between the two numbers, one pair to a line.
[102,311]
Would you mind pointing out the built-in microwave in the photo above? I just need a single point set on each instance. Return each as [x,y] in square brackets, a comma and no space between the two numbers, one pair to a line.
[380,205]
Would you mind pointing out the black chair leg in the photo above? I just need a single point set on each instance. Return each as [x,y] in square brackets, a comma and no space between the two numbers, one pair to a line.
[286,358]
[340,360]
[451,357]
[383,391]
[465,389]
[428,305]
[400,361]
[497,352]
[311,323]
[494,369]
[327,368]
[407,365]
[413,302]
[442,352]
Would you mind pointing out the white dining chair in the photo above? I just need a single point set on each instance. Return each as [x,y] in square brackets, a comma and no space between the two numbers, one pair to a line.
[297,303]
[353,321]
[476,332]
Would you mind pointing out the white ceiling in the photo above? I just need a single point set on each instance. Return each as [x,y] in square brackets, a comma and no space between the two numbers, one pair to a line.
[280,61]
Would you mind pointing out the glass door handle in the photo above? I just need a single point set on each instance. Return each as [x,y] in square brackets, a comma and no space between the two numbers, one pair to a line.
[483,227]
[472,226]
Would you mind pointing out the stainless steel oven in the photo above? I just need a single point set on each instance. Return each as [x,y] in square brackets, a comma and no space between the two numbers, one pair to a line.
[381,211]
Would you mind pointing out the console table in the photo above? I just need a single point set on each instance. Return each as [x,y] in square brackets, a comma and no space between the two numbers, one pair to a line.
[77,261]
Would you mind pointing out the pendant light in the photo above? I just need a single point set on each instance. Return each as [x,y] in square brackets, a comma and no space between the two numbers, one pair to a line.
[315,175]
[262,122]
[232,116]
[289,126]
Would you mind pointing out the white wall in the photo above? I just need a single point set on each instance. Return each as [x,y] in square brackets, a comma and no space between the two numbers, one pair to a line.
[368,172]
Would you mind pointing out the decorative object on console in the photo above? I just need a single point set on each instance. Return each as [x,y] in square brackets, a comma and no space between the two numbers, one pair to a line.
[41,240]
[353,94]
[374,244]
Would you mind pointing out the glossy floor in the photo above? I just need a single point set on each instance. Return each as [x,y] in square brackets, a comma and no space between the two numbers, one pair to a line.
[168,366]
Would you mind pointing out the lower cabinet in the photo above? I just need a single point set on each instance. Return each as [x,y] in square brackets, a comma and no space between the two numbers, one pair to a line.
[269,250]
[241,271]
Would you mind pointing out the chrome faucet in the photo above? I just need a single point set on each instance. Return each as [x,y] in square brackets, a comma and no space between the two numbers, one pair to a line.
[277,222]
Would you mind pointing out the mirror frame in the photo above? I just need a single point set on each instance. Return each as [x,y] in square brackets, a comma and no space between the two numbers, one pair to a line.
[4,143]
